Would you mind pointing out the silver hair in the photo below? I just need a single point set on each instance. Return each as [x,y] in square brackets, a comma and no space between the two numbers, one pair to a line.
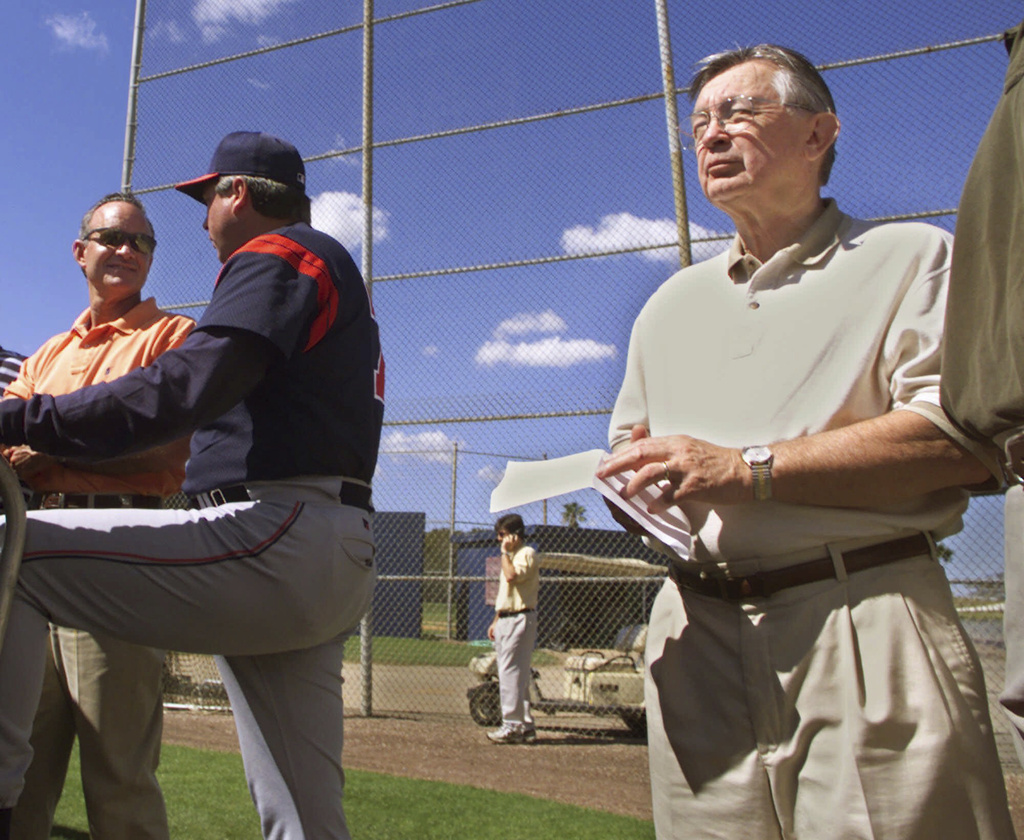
[797,82]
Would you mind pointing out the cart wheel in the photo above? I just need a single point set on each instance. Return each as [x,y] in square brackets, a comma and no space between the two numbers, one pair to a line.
[636,720]
[485,704]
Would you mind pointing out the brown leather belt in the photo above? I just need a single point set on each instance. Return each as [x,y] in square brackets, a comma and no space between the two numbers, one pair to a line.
[49,501]
[766,584]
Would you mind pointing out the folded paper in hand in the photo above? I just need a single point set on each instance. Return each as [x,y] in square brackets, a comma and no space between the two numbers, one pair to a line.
[531,481]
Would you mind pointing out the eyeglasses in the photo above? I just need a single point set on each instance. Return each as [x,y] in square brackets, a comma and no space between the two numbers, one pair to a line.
[734,116]
[114,238]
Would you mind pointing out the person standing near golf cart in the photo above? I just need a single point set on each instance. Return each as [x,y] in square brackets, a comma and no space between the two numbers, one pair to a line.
[514,630]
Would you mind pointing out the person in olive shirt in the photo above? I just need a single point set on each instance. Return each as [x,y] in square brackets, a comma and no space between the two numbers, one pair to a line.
[983,354]
[514,630]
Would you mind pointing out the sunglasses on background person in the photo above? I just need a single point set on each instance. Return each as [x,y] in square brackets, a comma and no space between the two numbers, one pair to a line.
[114,238]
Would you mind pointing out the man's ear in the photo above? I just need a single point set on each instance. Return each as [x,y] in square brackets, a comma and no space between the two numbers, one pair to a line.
[78,251]
[824,129]
[240,196]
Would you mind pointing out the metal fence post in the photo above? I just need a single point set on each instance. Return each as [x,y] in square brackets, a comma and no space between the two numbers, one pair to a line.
[366,662]
[366,625]
[131,123]
[674,145]
[451,545]
[367,254]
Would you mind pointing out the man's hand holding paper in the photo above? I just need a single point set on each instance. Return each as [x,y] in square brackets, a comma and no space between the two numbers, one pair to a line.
[682,468]
[531,481]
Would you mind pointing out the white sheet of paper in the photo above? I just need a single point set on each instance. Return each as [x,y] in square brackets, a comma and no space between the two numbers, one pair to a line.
[532,481]
[670,527]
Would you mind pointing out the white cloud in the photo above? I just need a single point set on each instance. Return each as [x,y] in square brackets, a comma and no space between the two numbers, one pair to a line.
[77,31]
[214,17]
[491,474]
[431,350]
[530,322]
[341,215]
[351,160]
[551,351]
[621,230]
[624,230]
[433,447]
[259,84]
[548,352]
[168,30]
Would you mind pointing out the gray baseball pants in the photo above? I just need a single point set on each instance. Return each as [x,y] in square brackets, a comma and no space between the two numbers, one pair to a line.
[273,587]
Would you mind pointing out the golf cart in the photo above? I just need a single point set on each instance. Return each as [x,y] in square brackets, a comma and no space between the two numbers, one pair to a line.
[596,682]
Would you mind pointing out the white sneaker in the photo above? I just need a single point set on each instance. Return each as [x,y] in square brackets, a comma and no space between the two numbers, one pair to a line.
[508,734]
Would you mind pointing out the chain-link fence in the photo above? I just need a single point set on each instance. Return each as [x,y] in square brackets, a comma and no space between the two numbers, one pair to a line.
[509,176]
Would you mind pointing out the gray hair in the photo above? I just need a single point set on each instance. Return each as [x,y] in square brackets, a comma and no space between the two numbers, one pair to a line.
[796,81]
[113,198]
[271,198]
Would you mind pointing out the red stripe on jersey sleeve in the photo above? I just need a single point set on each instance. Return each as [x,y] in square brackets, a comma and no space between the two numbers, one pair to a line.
[305,262]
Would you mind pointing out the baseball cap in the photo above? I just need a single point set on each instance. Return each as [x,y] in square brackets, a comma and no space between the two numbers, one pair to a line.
[251,153]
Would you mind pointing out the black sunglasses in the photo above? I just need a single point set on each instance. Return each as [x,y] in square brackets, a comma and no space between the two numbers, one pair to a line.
[115,238]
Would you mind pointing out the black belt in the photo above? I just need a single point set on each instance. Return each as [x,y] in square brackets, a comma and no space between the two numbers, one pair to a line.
[507,613]
[766,584]
[356,495]
[49,501]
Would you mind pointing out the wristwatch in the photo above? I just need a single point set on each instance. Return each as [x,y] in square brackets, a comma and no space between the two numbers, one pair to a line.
[759,459]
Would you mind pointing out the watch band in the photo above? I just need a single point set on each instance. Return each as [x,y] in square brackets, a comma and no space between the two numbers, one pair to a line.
[759,459]
[762,474]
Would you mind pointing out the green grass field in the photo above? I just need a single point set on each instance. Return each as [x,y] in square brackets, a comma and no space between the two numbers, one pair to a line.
[207,799]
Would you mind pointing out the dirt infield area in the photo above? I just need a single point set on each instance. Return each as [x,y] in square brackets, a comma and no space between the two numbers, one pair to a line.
[605,770]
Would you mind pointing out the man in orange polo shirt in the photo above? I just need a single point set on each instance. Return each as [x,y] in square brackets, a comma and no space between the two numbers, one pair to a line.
[104,690]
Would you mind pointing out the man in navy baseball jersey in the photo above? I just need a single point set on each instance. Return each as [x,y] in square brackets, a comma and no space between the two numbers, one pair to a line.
[282,383]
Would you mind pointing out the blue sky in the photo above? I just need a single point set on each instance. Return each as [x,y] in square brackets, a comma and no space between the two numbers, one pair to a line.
[64,101]
[484,342]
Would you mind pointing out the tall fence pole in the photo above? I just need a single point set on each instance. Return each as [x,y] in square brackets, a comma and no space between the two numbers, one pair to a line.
[545,501]
[367,254]
[451,544]
[366,626]
[675,148]
[131,122]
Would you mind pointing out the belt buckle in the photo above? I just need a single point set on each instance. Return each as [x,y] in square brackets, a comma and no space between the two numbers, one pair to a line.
[736,588]
[217,497]
[747,590]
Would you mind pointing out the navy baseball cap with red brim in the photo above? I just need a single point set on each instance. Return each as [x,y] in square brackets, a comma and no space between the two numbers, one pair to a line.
[251,153]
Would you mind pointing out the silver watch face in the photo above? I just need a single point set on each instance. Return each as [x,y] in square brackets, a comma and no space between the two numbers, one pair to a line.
[757,455]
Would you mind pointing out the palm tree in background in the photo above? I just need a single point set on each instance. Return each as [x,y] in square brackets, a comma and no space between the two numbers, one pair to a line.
[573,514]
